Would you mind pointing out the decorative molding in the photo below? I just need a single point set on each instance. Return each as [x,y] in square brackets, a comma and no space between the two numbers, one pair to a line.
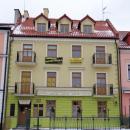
[74,40]
[76,68]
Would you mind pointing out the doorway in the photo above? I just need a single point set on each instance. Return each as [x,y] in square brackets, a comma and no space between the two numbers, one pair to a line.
[24,115]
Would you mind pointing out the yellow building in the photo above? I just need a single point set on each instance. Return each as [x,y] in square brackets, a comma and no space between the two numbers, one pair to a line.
[61,68]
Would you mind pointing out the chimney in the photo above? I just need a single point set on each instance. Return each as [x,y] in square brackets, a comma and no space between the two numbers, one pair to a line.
[26,14]
[17,16]
[46,12]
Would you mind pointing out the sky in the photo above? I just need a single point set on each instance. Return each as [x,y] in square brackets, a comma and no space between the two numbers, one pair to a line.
[117,11]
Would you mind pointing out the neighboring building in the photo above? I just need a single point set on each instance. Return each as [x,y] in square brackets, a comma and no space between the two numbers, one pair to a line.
[61,68]
[4,45]
[124,51]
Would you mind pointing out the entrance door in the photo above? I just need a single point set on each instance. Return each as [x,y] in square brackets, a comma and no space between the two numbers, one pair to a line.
[100,54]
[27,53]
[101,83]
[25,82]
[24,115]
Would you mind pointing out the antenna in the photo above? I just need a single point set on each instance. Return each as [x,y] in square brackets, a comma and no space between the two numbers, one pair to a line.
[103,10]
[24,4]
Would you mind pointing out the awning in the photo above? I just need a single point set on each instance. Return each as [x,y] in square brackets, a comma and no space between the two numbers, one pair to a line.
[24,102]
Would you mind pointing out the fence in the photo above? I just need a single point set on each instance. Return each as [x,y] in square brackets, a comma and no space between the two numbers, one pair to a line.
[88,123]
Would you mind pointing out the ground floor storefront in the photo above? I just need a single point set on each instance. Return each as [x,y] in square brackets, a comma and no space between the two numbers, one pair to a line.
[61,112]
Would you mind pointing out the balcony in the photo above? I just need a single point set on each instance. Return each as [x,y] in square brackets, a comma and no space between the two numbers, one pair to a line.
[53,60]
[27,58]
[24,89]
[76,60]
[63,91]
[102,90]
[126,90]
[102,60]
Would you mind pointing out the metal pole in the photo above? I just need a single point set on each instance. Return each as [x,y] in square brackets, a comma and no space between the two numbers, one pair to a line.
[129,113]
[38,122]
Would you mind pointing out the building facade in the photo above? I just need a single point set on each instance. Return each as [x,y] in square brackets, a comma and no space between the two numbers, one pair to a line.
[124,50]
[4,45]
[61,68]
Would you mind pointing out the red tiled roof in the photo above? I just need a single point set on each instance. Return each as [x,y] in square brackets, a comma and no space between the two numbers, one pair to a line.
[122,43]
[102,29]
[64,16]
[87,17]
[41,15]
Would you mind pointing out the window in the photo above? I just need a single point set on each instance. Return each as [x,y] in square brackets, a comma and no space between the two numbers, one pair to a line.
[50,108]
[128,72]
[76,51]
[100,54]
[40,109]
[87,28]
[101,78]
[101,84]
[102,108]
[64,28]
[52,51]
[76,79]
[41,27]
[12,109]
[51,79]
[27,53]
[76,109]
[37,110]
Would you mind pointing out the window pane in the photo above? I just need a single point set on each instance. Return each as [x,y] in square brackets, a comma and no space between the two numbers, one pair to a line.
[87,28]
[101,79]
[41,27]
[76,51]
[27,47]
[50,108]
[51,79]
[12,109]
[100,49]
[52,51]
[102,108]
[128,72]
[35,110]
[40,109]
[76,109]
[76,79]
[64,27]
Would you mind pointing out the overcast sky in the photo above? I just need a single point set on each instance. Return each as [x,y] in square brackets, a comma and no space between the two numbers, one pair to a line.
[117,11]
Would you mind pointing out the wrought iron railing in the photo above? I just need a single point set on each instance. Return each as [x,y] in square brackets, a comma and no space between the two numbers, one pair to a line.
[53,60]
[26,56]
[103,89]
[102,58]
[23,88]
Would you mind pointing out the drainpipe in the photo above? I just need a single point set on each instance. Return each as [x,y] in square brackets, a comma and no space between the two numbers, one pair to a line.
[5,83]
[119,80]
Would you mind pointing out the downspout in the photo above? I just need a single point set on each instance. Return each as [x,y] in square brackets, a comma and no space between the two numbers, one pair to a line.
[119,80]
[7,72]
[5,83]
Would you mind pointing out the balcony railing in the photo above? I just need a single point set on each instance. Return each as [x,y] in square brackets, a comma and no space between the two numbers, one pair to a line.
[26,57]
[76,60]
[63,91]
[103,89]
[53,60]
[24,89]
[101,59]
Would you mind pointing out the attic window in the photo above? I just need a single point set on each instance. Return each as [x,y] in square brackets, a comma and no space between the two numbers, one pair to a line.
[87,28]
[64,28]
[41,27]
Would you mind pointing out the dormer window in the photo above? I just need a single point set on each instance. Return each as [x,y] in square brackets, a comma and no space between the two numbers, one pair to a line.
[64,28]
[41,27]
[87,28]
